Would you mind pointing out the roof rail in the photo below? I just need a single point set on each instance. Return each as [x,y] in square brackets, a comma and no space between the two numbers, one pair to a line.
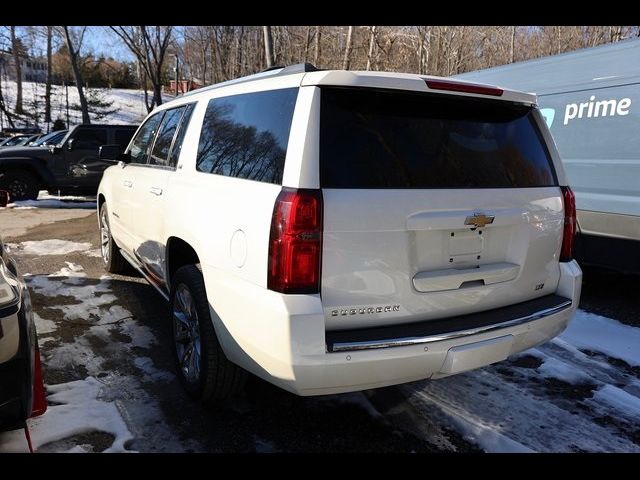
[268,73]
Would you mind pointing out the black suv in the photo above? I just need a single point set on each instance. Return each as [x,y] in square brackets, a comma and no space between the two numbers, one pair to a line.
[72,166]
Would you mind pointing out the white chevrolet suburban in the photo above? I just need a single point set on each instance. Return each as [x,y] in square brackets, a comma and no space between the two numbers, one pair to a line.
[332,231]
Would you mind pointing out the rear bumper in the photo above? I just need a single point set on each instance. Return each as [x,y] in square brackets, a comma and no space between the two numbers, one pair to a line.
[290,349]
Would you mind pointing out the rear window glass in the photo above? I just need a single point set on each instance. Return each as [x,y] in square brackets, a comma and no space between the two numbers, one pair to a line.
[246,136]
[381,139]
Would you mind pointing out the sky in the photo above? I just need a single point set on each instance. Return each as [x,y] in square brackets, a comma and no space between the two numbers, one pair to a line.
[100,40]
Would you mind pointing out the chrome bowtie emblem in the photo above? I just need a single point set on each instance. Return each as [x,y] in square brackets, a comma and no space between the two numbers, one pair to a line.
[479,220]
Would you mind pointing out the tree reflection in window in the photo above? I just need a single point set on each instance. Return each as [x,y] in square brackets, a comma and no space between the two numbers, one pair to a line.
[246,136]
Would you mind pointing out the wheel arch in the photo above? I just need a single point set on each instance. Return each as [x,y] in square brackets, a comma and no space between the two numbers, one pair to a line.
[179,253]
[30,165]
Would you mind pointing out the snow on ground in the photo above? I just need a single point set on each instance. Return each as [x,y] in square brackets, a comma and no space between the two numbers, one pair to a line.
[128,104]
[49,247]
[28,204]
[108,400]
[46,200]
[549,399]
[74,408]
[593,332]
[44,326]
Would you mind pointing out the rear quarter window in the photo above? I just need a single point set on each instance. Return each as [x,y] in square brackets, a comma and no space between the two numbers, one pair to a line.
[381,139]
[246,136]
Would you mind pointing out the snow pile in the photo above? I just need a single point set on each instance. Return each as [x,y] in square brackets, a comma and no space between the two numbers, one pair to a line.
[52,247]
[71,270]
[44,326]
[74,408]
[554,398]
[30,204]
[593,332]
[46,200]
[110,334]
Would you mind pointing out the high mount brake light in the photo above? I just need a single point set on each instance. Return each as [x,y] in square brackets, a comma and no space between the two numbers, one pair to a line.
[464,87]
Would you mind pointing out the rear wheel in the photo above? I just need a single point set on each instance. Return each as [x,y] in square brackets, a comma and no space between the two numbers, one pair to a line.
[21,185]
[113,260]
[204,370]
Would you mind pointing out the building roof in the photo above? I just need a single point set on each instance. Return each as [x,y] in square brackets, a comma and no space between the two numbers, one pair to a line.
[605,65]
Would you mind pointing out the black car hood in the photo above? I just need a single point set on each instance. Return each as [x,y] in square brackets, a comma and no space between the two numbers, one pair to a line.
[24,152]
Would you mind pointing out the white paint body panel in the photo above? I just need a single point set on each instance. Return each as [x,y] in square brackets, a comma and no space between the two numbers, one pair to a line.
[374,244]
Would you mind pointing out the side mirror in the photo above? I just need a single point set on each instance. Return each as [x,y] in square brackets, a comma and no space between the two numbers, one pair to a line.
[112,153]
[55,148]
[70,143]
[4,198]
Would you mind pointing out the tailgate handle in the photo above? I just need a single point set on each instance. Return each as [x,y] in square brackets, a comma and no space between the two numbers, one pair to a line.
[454,278]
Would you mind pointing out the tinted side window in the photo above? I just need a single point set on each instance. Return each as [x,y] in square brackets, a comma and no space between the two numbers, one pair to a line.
[89,138]
[382,139]
[246,135]
[142,141]
[122,137]
[170,122]
[177,143]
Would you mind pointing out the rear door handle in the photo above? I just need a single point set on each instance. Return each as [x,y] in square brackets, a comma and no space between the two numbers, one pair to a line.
[128,183]
[156,190]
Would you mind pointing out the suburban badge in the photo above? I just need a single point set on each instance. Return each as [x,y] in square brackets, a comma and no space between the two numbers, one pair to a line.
[365,310]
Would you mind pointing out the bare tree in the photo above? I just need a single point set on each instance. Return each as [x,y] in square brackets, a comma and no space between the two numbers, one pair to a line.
[47,88]
[268,46]
[149,45]
[512,50]
[16,49]
[4,109]
[74,56]
[347,49]
[372,41]
[306,43]
[318,46]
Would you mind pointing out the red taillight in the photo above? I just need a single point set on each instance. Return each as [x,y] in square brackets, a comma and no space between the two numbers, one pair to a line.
[464,87]
[570,225]
[295,242]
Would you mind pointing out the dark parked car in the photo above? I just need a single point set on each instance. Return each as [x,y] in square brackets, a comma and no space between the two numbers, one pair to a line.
[52,138]
[71,166]
[21,388]
[18,140]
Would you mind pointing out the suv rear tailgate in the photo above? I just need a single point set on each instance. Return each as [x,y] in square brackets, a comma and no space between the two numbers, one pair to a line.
[434,206]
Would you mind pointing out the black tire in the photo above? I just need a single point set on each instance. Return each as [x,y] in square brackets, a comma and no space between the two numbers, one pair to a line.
[21,185]
[218,378]
[113,260]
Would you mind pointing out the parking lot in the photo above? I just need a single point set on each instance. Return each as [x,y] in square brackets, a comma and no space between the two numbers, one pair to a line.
[106,350]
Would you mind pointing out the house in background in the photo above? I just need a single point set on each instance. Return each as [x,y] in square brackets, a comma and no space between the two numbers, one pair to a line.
[184,86]
[34,69]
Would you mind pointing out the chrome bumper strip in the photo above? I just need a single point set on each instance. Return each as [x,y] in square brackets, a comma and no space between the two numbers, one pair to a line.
[399,342]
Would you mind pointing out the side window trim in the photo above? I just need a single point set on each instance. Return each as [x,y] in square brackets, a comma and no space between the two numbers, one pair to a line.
[175,135]
[187,108]
[151,142]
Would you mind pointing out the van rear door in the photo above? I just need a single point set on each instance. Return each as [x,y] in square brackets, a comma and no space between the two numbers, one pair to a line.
[435,205]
